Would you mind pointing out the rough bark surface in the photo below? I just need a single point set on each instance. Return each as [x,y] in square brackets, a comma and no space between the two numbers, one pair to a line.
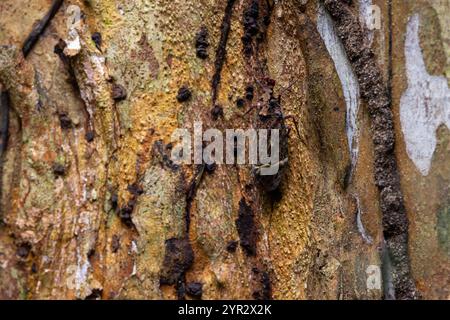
[92,207]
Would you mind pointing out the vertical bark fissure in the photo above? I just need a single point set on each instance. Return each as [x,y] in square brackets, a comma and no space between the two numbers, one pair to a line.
[190,195]
[40,27]
[375,93]
[256,19]
[221,50]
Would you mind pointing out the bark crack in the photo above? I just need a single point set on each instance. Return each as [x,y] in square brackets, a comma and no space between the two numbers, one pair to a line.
[40,27]
[221,50]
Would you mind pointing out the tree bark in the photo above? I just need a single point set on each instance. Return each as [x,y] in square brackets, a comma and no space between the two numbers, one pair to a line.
[92,207]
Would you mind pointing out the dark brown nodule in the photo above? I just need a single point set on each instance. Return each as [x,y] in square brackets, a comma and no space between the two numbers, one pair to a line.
[97,38]
[119,93]
[91,254]
[249,92]
[184,94]
[135,189]
[96,294]
[194,289]
[178,258]
[115,243]
[59,170]
[23,250]
[125,214]
[59,50]
[90,135]
[246,228]
[216,112]
[240,103]
[65,121]
[210,168]
[201,43]
[114,200]
[232,246]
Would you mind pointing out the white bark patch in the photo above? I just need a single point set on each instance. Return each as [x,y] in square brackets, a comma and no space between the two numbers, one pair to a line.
[81,274]
[73,43]
[366,15]
[350,86]
[424,106]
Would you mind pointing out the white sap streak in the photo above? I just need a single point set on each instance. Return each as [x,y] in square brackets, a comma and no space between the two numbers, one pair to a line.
[350,86]
[365,12]
[424,106]
[362,231]
[81,273]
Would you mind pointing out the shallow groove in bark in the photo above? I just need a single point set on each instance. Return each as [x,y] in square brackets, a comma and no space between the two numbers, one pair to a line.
[256,19]
[190,194]
[245,226]
[375,93]
[221,50]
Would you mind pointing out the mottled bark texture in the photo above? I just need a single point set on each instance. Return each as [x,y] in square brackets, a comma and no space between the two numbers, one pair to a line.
[374,91]
[92,207]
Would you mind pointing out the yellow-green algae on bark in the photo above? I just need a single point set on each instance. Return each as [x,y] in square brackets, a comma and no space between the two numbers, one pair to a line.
[308,241]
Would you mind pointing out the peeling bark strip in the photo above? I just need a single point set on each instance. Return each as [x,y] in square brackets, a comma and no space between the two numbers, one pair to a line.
[221,50]
[95,88]
[374,92]
[40,27]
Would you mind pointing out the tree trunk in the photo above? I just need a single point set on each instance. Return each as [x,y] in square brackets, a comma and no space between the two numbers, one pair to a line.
[92,206]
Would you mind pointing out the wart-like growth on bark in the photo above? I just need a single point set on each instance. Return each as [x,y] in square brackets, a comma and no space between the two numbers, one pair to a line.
[177,260]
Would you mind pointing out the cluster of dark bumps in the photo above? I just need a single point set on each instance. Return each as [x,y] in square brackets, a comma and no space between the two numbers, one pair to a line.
[119,93]
[201,43]
[250,22]
[65,121]
[246,228]
[184,94]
